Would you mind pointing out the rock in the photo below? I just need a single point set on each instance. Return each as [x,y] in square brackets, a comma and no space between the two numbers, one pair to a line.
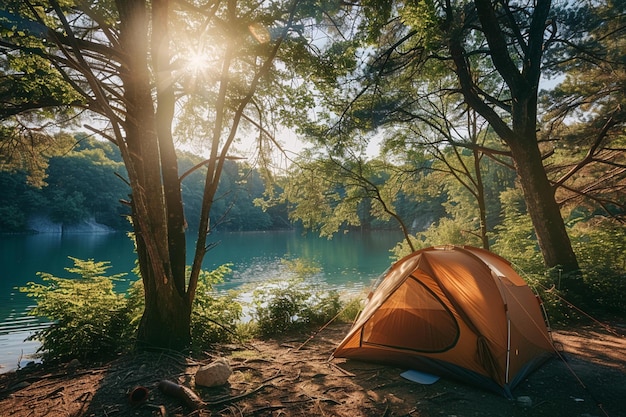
[73,364]
[214,374]
[525,401]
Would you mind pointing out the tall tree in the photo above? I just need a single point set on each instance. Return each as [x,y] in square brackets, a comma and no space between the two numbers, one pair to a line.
[497,52]
[328,193]
[515,37]
[128,63]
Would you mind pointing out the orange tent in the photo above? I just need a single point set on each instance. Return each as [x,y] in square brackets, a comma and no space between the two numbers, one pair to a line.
[453,311]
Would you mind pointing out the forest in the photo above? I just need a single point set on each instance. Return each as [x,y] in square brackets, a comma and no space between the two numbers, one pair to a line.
[88,184]
[497,124]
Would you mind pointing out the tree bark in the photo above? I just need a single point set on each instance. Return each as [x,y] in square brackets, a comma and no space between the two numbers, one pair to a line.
[480,197]
[542,206]
[155,201]
[522,85]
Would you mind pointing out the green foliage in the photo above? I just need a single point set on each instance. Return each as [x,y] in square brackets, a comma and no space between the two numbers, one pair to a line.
[15,193]
[554,301]
[30,83]
[291,304]
[445,232]
[600,247]
[319,200]
[214,317]
[515,239]
[234,208]
[28,153]
[83,184]
[351,309]
[11,219]
[334,194]
[88,318]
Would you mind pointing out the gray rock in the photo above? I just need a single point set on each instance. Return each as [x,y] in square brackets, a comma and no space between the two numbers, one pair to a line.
[214,374]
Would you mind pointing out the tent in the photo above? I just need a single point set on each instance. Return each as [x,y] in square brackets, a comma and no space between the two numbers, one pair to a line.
[453,311]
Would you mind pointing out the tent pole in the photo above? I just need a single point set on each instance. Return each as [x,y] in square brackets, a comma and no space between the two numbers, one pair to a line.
[508,346]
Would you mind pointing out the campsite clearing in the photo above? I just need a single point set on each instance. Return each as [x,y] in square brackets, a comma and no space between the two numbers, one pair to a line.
[284,378]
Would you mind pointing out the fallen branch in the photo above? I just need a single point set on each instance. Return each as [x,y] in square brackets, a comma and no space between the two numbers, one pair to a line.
[289,404]
[267,408]
[181,392]
[84,400]
[311,399]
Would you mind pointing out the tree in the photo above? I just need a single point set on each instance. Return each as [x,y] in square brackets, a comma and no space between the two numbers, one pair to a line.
[457,146]
[331,194]
[26,150]
[497,52]
[514,37]
[128,63]
[587,109]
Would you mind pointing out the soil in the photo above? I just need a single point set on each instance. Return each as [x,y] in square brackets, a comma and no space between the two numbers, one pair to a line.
[294,377]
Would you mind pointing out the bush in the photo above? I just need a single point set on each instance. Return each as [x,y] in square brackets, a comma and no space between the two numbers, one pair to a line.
[600,246]
[88,318]
[351,309]
[291,304]
[284,306]
[214,317]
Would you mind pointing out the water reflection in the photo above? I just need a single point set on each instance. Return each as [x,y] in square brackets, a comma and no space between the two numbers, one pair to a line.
[348,262]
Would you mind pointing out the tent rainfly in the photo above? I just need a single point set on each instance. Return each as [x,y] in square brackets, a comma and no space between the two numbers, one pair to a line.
[454,311]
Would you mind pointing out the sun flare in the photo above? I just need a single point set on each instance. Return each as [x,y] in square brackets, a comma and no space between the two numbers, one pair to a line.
[197,61]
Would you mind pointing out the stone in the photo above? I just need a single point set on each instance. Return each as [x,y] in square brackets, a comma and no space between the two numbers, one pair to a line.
[73,364]
[525,401]
[214,374]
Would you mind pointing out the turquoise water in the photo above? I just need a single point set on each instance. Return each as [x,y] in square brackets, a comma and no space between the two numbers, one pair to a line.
[349,262]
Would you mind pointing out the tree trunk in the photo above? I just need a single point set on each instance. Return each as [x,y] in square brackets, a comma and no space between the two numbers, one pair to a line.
[156,204]
[166,320]
[480,197]
[169,161]
[522,86]
[542,207]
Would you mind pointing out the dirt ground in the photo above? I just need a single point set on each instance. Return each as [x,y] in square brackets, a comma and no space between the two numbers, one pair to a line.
[284,378]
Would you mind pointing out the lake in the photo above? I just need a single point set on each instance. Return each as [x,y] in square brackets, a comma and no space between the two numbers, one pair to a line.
[349,262]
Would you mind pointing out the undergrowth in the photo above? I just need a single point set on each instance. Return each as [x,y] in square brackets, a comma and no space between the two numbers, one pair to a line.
[89,320]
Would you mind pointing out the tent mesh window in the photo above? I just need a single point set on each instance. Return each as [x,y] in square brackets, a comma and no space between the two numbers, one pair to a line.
[412,318]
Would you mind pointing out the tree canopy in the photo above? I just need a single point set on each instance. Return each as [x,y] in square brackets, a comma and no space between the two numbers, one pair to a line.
[422,68]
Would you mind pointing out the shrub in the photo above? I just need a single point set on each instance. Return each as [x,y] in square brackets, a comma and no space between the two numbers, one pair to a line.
[600,246]
[88,318]
[284,306]
[351,309]
[290,304]
[214,317]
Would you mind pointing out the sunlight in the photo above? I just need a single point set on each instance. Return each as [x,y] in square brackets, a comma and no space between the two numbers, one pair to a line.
[197,61]
[196,64]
